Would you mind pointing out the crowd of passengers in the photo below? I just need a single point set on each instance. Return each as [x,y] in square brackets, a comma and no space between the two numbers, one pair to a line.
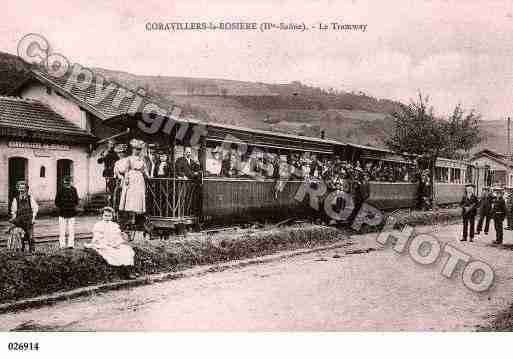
[273,166]
[126,172]
[337,174]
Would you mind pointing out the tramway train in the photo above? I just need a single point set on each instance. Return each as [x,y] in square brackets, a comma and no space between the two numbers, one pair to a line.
[216,199]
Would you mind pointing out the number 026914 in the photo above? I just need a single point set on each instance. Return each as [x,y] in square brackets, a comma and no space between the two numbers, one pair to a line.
[15,346]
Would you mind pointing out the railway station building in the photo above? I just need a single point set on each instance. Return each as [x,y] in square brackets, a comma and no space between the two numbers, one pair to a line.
[48,130]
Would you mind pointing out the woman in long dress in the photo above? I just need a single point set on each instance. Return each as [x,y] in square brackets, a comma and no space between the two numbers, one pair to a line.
[109,243]
[133,193]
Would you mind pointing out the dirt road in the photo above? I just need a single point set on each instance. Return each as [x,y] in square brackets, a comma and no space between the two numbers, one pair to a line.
[332,290]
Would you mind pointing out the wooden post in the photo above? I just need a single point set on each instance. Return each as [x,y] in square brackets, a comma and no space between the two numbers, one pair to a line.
[173,159]
[203,164]
[202,153]
[432,184]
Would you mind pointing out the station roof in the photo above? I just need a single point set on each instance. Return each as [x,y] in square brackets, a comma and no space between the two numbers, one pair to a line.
[100,97]
[25,118]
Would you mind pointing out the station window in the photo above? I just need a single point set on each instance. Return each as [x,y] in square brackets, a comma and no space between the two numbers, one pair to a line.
[42,172]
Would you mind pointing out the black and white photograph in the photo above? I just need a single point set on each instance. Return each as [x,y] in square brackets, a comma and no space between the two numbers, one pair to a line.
[277,167]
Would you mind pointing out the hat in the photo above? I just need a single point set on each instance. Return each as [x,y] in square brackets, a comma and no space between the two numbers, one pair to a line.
[497,189]
[470,185]
[135,143]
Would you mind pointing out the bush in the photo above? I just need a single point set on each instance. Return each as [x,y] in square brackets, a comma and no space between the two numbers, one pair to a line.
[29,275]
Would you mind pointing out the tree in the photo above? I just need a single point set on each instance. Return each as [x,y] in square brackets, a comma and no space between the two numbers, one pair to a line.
[418,131]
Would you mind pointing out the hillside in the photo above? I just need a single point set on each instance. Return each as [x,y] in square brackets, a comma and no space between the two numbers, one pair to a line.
[13,71]
[290,108]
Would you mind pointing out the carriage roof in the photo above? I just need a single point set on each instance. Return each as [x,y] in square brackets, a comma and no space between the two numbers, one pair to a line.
[217,133]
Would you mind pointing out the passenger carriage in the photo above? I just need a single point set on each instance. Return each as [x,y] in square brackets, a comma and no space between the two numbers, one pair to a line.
[450,178]
[212,199]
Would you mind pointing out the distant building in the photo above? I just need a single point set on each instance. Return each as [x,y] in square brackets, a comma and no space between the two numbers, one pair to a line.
[498,168]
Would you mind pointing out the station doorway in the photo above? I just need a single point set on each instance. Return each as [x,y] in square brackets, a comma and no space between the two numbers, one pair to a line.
[17,171]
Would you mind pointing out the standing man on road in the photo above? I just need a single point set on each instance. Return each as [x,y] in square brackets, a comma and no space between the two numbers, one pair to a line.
[23,214]
[485,204]
[498,213]
[469,205]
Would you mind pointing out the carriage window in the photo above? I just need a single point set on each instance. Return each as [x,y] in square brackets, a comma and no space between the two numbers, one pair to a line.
[455,175]
[42,172]
[442,174]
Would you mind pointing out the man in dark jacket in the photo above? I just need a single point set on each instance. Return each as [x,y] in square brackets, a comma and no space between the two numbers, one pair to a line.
[109,158]
[469,205]
[66,201]
[498,213]
[361,192]
[186,167]
[484,211]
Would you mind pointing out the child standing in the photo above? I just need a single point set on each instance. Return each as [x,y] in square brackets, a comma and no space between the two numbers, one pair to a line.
[66,201]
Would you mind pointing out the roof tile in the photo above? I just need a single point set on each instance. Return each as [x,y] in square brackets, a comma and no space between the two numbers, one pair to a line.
[29,114]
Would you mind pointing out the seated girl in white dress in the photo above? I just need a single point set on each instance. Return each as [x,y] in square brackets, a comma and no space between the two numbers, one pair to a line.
[108,242]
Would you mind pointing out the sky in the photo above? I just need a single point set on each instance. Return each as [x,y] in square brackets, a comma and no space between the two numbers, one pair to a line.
[453,51]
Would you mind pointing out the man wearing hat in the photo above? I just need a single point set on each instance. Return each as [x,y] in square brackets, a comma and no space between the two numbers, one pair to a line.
[484,210]
[66,200]
[425,190]
[109,158]
[361,192]
[23,213]
[498,213]
[120,167]
[469,205]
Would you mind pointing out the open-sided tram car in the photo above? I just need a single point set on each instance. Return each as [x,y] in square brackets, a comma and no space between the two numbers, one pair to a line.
[217,199]
[221,200]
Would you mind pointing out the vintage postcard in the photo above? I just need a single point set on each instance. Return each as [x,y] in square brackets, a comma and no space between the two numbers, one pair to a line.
[254,166]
